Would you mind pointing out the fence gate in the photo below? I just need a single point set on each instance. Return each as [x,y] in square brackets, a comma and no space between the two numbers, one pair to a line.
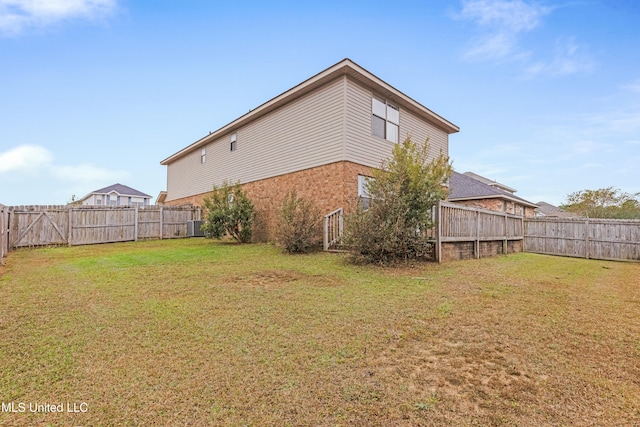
[37,228]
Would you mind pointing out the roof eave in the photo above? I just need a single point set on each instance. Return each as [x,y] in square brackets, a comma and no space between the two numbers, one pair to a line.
[494,196]
[344,67]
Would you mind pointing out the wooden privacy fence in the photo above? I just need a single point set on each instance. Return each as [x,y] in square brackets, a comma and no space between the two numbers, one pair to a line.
[4,234]
[86,225]
[458,224]
[606,239]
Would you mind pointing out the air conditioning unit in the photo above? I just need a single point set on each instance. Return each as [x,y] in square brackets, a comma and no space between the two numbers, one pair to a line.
[194,228]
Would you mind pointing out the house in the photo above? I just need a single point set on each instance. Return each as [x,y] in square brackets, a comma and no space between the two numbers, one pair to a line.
[116,195]
[322,138]
[548,210]
[477,191]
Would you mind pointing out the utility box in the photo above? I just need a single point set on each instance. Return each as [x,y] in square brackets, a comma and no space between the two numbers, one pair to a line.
[194,228]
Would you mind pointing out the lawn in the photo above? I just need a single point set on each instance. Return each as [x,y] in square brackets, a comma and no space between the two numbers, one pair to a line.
[194,332]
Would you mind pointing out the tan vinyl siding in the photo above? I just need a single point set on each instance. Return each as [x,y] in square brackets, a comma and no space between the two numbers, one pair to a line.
[364,148]
[305,133]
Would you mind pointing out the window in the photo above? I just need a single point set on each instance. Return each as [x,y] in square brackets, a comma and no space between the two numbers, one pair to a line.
[385,119]
[203,155]
[363,191]
[233,142]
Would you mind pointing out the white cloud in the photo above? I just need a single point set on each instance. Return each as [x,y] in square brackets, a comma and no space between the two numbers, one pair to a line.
[35,159]
[569,58]
[502,22]
[25,158]
[504,15]
[18,15]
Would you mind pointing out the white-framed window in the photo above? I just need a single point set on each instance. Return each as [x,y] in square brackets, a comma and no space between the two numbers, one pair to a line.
[385,119]
[363,191]
[203,155]
[234,144]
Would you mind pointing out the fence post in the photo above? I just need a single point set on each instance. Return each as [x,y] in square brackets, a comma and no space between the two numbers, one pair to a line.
[476,244]
[586,239]
[135,225]
[3,234]
[439,232]
[505,242]
[325,233]
[70,228]
[161,223]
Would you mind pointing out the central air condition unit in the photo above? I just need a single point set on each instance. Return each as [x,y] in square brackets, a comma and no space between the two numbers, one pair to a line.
[194,228]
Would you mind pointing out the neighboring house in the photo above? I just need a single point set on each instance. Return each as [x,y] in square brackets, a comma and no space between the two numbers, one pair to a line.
[548,210]
[322,138]
[477,191]
[116,195]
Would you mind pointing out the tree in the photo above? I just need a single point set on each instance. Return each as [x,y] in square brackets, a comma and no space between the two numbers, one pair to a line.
[403,192]
[607,202]
[299,224]
[228,211]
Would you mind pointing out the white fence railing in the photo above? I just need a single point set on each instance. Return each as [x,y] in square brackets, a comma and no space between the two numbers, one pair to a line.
[333,228]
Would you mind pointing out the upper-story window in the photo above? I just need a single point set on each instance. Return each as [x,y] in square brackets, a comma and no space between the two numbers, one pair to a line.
[234,144]
[385,119]
[203,155]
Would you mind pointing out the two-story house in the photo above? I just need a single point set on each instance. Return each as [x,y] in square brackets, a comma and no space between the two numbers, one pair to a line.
[321,138]
[116,195]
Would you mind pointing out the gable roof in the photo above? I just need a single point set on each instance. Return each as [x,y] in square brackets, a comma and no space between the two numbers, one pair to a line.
[344,67]
[120,189]
[490,182]
[547,209]
[464,187]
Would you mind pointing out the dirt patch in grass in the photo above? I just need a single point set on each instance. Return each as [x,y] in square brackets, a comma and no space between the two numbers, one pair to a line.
[191,332]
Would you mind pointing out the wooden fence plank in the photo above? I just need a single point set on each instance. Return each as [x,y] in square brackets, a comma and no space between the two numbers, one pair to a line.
[55,225]
[4,231]
[606,239]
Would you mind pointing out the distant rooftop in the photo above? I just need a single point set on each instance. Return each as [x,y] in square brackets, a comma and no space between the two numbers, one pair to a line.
[466,187]
[490,182]
[120,189]
[547,209]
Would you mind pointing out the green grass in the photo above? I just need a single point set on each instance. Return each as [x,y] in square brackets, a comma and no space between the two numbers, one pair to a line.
[194,332]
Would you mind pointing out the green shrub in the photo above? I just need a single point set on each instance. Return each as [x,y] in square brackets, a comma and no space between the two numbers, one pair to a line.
[228,211]
[299,224]
[403,192]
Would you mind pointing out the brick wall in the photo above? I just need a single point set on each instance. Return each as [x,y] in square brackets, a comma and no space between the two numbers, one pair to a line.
[454,251]
[329,186]
[498,205]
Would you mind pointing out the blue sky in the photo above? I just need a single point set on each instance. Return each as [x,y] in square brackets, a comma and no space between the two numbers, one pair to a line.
[94,92]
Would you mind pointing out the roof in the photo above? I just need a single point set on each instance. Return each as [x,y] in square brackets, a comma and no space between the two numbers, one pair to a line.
[490,182]
[547,209]
[120,189]
[464,187]
[344,67]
